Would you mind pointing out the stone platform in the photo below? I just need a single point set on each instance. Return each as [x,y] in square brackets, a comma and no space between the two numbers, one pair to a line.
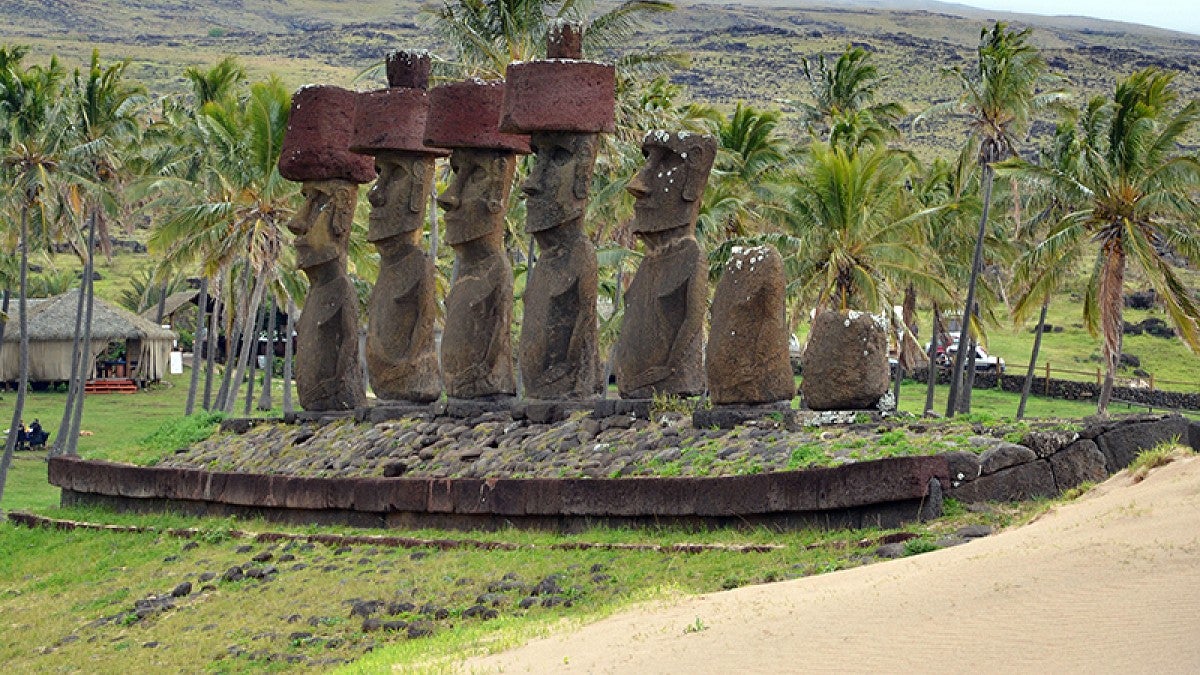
[883,493]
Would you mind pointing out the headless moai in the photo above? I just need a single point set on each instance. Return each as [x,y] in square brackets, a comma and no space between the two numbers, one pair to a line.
[316,152]
[402,359]
[476,343]
[747,355]
[565,104]
[660,349]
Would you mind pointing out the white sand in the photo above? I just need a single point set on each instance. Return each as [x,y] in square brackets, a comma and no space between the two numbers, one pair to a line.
[1109,583]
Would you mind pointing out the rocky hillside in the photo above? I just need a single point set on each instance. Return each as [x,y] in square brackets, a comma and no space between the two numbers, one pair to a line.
[745,52]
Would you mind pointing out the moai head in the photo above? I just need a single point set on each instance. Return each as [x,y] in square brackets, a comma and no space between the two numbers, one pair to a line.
[463,117]
[316,152]
[322,226]
[669,187]
[564,103]
[390,125]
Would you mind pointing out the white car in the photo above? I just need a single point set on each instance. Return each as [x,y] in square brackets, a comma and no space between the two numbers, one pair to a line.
[984,362]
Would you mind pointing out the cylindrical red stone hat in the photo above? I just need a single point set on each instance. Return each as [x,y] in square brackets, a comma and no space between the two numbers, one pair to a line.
[317,143]
[561,93]
[394,118]
[464,115]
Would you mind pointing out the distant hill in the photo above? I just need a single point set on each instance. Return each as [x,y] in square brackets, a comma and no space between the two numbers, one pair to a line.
[747,51]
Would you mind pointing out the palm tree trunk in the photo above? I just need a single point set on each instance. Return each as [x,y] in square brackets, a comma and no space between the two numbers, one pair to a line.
[239,326]
[287,357]
[264,400]
[23,375]
[162,304]
[934,340]
[4,311]
[249,336]
[75,386]
[210,350]
[1037,346]
[201,310]
[253,364]
[964,403]
[85,366]
[1112,283]
[956,376]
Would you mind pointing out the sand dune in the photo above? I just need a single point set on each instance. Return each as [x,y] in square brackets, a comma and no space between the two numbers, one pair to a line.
[1109,583]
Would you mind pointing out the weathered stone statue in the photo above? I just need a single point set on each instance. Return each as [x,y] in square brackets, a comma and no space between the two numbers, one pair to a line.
[402,359]
[661,342]
[845,361]
[315,151]
[476,343]
[747,356]
[565,104]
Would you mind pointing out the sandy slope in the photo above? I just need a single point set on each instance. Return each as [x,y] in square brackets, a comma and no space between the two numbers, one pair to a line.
[1110,583]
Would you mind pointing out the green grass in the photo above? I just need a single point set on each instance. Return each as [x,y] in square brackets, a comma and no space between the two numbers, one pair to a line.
[1160,455]
[244,626]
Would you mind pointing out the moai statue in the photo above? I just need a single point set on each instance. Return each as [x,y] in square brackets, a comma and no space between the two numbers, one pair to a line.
[747,358]
[402,359]
[565,104]
[476,343]
[660,349]
[316,152]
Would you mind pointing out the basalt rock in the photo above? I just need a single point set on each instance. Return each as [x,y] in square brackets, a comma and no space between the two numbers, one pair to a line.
[661,342]
[747,359]
[845,362]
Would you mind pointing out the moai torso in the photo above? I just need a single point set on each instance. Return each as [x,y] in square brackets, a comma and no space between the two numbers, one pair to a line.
[558,347]
[660,349]
[390,124]
[477,344]
[747,360]
[328,372]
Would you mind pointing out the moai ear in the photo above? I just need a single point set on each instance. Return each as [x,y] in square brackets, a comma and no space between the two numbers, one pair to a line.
[495,202]
[416,193]
[585,153]
[697,161]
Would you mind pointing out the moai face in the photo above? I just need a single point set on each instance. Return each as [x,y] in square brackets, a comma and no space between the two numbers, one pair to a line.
[399,194]
[557,188]
[322,225]
[669,187]
[477,197]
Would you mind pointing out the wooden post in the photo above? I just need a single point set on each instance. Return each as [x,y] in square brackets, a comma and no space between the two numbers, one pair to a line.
[1151,381]
[1098,380]
[1047,378]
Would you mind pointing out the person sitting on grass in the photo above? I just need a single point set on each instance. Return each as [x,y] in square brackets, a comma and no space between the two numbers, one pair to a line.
[36,436]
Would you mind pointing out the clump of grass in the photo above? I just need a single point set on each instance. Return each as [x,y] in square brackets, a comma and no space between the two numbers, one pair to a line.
[180,433]
[918,546]
[1160,455]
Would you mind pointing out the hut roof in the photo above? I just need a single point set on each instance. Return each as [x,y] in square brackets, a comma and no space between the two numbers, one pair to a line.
[54,319]
[172,304]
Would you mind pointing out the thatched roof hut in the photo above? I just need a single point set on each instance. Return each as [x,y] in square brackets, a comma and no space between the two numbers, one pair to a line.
[183,300]
[51,330]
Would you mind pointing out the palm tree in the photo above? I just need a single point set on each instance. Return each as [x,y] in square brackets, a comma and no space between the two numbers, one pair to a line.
[28,169]
[217,83]
[844,99]
[852,239]
[999,98]
[487,35]
[233,213]
[1137,191]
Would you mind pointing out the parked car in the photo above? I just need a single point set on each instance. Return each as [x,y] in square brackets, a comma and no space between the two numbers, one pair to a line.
[984,362]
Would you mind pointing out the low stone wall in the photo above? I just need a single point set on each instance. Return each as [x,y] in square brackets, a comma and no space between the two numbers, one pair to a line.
[1044,464]
[883,493]
[1075,391]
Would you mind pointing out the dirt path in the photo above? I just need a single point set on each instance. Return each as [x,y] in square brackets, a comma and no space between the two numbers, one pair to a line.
[1108,583]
